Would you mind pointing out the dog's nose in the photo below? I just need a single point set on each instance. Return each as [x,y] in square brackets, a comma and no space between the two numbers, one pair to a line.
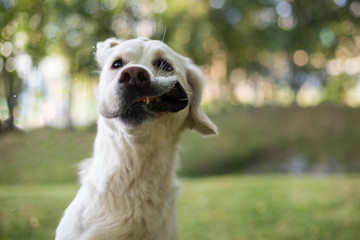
[134,76]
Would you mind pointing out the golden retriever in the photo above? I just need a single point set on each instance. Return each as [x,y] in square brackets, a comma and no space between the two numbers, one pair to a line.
[148,94]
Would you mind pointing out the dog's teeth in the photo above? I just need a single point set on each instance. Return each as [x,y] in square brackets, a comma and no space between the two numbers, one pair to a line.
[147,100]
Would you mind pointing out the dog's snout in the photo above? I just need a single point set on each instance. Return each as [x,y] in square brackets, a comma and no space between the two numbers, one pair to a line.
[134,76]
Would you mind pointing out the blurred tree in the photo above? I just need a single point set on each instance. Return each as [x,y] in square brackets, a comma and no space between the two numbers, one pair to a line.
[67,28]
[252,35]
[337,87]
[20,26]
[248,28]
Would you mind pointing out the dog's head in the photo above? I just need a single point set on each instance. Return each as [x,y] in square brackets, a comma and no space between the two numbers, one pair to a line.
[144,80]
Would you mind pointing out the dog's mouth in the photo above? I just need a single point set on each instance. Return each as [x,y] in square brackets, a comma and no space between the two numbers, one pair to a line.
[137,104]
[173,100]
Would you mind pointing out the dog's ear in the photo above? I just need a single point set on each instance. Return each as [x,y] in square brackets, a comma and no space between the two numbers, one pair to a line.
[104,50]
[199,121]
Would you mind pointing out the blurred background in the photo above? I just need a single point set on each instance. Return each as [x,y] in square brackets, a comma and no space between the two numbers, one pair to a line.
[283,86]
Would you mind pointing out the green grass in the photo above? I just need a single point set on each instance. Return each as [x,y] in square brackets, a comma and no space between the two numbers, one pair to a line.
[44,155]
[230,207]
[32,211]
[38,171]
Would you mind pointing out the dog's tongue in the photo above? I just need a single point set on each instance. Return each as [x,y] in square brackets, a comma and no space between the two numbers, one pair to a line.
[172,101]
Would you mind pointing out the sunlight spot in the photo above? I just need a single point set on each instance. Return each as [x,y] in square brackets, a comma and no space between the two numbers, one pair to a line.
[355,8]
[110,4]
[318,60]
[144,28]
[159,6]
[309,95]
[233,16]
[53,67]
[217,4]
[23,64]
[6,49]
[267,15]
[284,9]
[334,67]
[340,3]
[351,98]
[351,66]
[287,23]
[74,21]
[245,92]
[73,39]
[284,96]
[300,58]
[327,37]
[21,39]
[347,27]
[91,6]
[10,64]
[33,79]
[49,112]
[121,27]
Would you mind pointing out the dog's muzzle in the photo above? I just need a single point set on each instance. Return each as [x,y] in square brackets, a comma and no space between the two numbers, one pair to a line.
[160,95]
[141,96]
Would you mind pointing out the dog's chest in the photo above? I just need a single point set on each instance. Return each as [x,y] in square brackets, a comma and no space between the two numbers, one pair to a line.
[139,212]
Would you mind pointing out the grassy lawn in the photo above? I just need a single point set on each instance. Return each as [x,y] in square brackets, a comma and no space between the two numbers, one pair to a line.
[38,171]
[228,207]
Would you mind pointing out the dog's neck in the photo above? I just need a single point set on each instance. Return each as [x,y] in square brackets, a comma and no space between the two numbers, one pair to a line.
[131,156]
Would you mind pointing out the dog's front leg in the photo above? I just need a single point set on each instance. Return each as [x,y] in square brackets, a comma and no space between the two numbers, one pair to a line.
[71,225]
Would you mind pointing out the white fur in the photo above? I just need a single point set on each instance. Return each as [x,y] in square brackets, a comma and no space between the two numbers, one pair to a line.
[128,187]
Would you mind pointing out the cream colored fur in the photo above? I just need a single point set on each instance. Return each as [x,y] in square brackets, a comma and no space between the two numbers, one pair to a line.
[129,188]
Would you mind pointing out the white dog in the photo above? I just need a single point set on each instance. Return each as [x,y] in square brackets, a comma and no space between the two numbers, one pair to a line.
[148,95]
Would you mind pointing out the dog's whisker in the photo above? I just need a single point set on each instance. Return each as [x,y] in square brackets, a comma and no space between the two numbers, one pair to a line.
[164,34]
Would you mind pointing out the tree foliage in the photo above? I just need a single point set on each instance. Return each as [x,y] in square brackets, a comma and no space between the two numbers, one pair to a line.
[250,34]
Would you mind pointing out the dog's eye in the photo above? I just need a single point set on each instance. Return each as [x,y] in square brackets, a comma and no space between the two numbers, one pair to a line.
[163,65]
[117,64]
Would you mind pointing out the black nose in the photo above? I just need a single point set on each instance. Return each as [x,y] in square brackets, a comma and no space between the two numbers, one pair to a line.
[134,76]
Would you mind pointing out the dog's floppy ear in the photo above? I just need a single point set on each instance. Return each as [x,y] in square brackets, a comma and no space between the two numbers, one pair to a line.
[199,121]
[104,49]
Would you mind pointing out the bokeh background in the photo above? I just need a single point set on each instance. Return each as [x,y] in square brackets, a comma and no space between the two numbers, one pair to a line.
[283,86]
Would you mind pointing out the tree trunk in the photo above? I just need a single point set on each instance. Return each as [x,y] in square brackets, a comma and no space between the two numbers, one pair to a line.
[9,87]
[295,81]
[69,123]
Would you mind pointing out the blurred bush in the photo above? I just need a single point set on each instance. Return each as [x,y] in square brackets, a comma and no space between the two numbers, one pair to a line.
[295,140]
[252,140]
